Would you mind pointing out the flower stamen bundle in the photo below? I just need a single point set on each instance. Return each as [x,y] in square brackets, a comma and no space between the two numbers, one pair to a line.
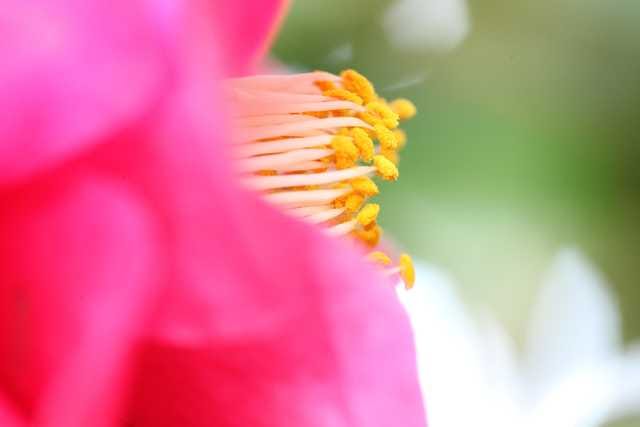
[312,142]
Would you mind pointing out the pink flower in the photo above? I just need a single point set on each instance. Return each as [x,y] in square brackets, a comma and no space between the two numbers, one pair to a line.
[140,284]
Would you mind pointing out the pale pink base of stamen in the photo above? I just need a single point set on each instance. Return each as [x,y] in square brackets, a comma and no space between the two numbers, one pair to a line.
[306,198]
[299,180]
[281,145]
[293,129]
[302,167]
[342,229]
[274,161]
[324,216]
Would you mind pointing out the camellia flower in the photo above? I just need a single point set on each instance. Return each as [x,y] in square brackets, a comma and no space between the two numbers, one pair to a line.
[575,371]
[141,283]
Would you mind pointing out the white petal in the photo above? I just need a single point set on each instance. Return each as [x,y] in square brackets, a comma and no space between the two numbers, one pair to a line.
[427,24]
[581,399]
[628,391]
[575,321]
[454,378]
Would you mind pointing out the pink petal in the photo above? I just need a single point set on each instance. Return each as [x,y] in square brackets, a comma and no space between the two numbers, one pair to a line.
[265,321]
[8,415]
[245,29]
[75,261]
[319,345]
[71,71]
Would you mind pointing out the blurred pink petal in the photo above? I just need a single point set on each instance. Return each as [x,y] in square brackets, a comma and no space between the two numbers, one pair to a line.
[8,416]
[75,258]
[71,71]
[246,28]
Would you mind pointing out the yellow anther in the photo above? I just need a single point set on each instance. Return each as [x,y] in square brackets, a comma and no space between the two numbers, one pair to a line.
[392,155]
[266,172]
[379,112]
[343,95]
[364,186]
[325,85]
[358,84]
[403,108]
[407,271]
[386,137]
[346,152]
[368,214]
[370,236]
[401,137]
[353,202]
[364,143]
[379,258]
[386,169]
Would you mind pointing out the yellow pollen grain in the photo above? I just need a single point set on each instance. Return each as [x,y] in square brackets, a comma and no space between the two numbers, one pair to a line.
[407,271]
[368,214]
[403,108]
[353,202]
[401,137]
[379,112]
[364,143]
[358,84]
[391,155]
[365,186]
[379,258]
[386,169]
[386,137]
[369,236]
[346,153]
[344,95]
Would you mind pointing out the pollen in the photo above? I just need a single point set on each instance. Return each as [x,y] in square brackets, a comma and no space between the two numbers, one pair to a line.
[314,144]
[364,143]
[401,137]
[346,152]
[407,272]
[344,95]
[369,236]
[379,257]
[386,137]
[403,108]
[368,214]
[379,112]
[365,186]
[358,84]
[353,202]
[391,155]
[386,169]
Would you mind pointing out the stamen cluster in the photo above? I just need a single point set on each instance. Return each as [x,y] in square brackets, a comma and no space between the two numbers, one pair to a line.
[312,142]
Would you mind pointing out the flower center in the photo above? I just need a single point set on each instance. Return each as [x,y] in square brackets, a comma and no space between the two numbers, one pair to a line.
[312,142]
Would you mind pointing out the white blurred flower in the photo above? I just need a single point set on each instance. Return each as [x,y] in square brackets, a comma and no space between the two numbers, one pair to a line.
[427,24]
[574,372]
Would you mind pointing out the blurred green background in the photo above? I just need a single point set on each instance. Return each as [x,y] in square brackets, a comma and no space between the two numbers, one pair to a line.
[527,139]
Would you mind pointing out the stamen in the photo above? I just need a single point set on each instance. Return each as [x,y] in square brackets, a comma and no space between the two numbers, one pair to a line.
[386,169]
[379,258]
[299,180]
[403,108]
[368,214]
[312,142]
[408,273]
